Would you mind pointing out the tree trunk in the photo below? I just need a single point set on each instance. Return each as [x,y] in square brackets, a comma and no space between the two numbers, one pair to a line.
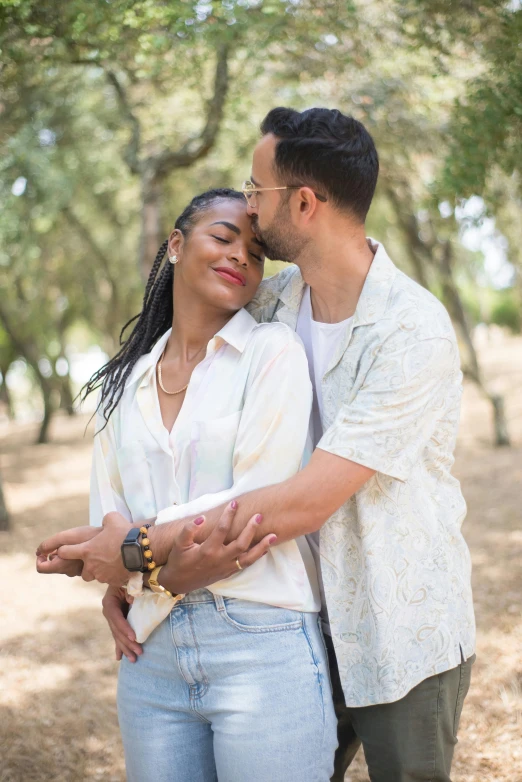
[66,395]
[153,169]
[500,421]
[453,302]
[457,312]
[151,233]
[438,256]
[5,395]
[49,408]
[4,516]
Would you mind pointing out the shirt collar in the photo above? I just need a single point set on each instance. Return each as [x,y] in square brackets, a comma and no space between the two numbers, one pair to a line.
[376,289]
[235,333]
[372,301]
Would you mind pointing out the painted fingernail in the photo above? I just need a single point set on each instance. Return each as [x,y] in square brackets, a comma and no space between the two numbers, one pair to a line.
[272,539]
[199,520]
[259,518]
[233,505]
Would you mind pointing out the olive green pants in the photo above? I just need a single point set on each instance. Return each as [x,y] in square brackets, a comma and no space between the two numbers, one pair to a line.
[411,740]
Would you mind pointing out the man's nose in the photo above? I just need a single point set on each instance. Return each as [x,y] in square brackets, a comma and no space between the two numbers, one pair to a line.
[251,210]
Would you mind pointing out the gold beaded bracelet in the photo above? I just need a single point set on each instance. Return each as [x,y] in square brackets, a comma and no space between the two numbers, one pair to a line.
[147,553]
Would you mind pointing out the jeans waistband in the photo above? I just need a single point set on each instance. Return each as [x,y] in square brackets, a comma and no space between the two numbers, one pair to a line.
[199,596]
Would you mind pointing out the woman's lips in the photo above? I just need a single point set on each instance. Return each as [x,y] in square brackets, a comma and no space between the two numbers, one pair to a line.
[230,275]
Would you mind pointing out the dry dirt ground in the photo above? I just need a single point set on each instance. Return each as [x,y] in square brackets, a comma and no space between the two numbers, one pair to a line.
[58,673]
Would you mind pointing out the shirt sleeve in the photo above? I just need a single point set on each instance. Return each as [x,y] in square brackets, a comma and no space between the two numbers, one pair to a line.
[272,431]
[106,493]
[393,414]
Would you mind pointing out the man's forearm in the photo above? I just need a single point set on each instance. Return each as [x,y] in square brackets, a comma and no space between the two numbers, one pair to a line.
[304,502]
[278,504]
[297,506]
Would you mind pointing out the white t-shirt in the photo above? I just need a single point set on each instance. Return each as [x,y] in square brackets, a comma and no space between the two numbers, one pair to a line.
[320,341]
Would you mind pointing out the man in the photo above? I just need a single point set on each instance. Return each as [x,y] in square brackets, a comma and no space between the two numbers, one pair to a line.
[377,497]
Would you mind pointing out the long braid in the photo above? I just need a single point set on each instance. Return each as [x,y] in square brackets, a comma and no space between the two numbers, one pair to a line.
[150,282]
[156,314]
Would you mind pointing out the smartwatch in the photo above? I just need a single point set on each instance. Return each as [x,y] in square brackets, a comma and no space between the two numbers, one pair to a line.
[132,552]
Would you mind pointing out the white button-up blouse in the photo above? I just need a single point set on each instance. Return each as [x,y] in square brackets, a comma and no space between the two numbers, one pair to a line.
[243,425]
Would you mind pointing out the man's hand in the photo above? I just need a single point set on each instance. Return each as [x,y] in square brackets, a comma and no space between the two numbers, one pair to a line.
[98,548]
[193,565]
[48,559]
[101,554]
[115,608]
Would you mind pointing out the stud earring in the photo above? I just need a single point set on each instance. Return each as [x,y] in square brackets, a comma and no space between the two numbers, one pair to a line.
[173,259]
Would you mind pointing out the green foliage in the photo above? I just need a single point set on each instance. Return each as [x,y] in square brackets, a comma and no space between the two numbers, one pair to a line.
[91,92]
[485,127]
[507,310]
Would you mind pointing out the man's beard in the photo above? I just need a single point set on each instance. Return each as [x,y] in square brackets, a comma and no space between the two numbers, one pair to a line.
[279,238]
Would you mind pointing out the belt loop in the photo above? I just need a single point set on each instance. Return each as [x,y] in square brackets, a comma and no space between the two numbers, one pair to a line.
[220,603]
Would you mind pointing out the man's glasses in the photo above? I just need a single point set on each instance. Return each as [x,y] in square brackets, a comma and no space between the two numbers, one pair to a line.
[250,192]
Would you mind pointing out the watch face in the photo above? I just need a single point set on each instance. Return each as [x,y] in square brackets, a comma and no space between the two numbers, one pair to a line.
[132,556]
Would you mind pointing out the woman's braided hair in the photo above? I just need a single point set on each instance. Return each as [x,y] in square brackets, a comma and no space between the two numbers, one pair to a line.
[155,317]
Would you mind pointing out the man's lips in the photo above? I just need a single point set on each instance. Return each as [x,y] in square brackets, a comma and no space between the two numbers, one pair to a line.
[230,274]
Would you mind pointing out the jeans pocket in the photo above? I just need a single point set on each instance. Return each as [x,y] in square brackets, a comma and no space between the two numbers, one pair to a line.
[323,641]
[250,617]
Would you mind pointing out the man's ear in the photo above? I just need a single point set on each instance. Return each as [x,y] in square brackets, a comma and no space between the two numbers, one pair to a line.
[176,241]
[307,203]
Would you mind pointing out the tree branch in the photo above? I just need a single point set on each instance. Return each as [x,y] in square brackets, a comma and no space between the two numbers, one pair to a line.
[85,234]
[409,225]
[196,148]
[131,155]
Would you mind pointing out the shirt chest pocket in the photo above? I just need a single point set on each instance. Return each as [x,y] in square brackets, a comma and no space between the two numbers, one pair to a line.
[135,478]
[212,452]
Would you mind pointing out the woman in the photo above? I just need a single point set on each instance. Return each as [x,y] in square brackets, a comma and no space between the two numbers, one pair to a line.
[200,405]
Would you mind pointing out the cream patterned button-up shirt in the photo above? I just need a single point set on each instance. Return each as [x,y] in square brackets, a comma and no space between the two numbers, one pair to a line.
[395,567]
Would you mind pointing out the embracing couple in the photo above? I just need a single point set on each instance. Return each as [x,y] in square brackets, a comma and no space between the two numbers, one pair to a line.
[272,470]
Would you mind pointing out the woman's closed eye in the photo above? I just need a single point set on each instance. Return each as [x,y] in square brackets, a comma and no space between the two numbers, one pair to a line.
[222,239]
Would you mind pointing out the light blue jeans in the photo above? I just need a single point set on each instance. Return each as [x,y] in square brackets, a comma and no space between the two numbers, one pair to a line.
[229,690]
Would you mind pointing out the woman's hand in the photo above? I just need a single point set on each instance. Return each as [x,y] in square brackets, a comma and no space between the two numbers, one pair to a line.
[115,609]
[192,565]
[55,564]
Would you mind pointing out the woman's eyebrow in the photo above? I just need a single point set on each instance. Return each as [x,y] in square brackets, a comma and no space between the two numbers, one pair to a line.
[237,231]
[231,226]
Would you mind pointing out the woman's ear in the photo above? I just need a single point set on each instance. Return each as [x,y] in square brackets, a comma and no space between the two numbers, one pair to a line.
[175,246]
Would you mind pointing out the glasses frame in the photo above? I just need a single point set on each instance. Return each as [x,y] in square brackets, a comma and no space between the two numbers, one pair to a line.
[249,190]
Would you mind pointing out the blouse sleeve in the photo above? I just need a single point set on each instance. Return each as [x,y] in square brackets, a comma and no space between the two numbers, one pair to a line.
[106,493]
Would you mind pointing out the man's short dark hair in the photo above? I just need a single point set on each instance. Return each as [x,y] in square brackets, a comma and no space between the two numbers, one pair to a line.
[328,151]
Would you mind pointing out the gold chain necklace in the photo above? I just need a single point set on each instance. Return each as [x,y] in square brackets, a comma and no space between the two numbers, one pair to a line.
[170,393]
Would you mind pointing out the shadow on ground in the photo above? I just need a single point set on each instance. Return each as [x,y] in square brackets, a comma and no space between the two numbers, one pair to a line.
[59,719]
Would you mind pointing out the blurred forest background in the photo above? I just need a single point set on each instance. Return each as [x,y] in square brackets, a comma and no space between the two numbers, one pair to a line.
[113,114]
